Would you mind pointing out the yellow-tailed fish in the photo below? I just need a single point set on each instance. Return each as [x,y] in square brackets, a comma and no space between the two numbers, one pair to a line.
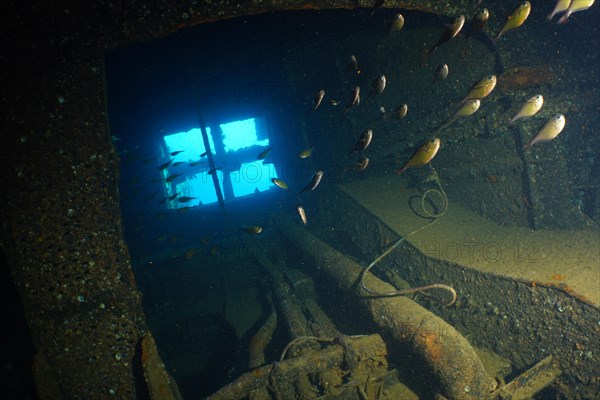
[449,33]
[516,19]
[171,178]
[479,21]
[252,229]
[263,154]
[378,85]
[529,109]
[575,6]
[306,153]
[363,141]
[440,72]
[482,88]
[165,165]
[354,99]
[551,129]
[561,6]
[352,66]
[468,108]
[185,199]
[279,183]
[422,155]
[401,111]
[362,164]
[318,99]
[397,23]
[302,214]
[314,182]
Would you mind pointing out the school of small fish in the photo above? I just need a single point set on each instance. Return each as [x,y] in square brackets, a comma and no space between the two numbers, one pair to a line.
[472,101]
[426,151]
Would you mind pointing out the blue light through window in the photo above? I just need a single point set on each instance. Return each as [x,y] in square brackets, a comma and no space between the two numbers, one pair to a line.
[240,135]
[252,176]
[190,142]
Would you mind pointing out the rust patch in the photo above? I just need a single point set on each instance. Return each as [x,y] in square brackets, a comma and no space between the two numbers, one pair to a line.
[524,77]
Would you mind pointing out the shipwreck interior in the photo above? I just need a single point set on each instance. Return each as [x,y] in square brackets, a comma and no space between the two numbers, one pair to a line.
[165,234]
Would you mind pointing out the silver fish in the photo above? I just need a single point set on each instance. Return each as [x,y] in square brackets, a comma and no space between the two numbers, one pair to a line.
[363,141]
[449,33]
[397,23]
[354,100]
[561,6]
[401,111]
[352,66]
[378,85]
[551,129]
[302,214]
[314,182]
[575,6]
[318,99]
[441,71]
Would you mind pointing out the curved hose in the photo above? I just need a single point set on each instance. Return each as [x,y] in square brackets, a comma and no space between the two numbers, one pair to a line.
[434,218]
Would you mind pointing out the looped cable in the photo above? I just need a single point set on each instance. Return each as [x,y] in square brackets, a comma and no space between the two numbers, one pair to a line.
[434,216]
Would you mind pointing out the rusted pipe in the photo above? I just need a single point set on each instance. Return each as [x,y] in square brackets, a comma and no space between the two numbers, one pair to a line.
[446,352]
[365,348]
[285,304]
[260,341]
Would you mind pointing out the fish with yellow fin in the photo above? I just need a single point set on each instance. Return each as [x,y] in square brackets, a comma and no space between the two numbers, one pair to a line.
[440,72]
[253,230]
[551,129]
[529,109]
[378,85]
[302,214]
[449,33]
[185,199]
[279,183]
[482,88]
[165,165]
[354,99]
[306,153]
[361,164]
[575,6]
[422,155]
[363,141]
[314,182]
[263,154]
[468,108]
[401,111]
[516,19]
[352,66]
[397,23]
[561,6]
[479,21]
[171,178]
[318,99]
